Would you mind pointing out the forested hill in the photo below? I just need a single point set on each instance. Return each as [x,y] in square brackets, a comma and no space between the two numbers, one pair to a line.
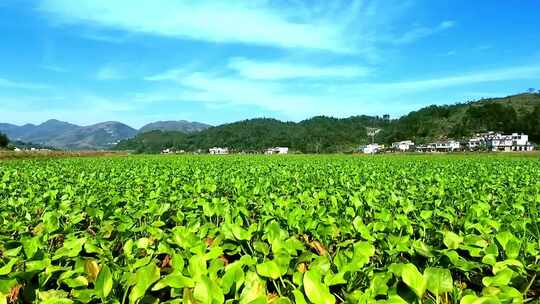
[518,113]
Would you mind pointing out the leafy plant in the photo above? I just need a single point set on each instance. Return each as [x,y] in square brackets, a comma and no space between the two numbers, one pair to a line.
[251,229]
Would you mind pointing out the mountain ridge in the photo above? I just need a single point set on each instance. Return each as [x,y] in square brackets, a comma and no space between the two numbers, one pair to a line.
[174,125]
[98,136]
[515,113]
[323,134]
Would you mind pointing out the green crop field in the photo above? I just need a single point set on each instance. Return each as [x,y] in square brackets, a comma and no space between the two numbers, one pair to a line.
[254,229]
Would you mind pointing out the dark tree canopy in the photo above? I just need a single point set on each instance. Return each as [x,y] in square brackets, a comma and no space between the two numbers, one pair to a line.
[321,134]
[4,141]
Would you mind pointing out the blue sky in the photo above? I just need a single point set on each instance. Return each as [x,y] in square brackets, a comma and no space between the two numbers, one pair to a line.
[138,61]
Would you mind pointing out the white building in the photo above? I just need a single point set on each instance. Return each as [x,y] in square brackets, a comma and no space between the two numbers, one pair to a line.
[476,143]
[277,150]
[403,146]
[17,149]
[371,149]
[220,151]
[501,142]
[450,145]
[442,146]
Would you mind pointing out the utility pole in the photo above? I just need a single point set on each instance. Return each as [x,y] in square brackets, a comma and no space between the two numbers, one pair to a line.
[372,132]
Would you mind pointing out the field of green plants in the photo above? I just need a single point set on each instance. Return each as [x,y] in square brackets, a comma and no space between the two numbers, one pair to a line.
[254,229]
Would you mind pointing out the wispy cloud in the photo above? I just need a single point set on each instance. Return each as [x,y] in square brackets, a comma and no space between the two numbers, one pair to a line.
[83,108]
[6,83]
[54,68]
[276,70]
[338,26]
[300,99]
[101,37]
[109,73]
[486,76]
[450,53]
[422,32]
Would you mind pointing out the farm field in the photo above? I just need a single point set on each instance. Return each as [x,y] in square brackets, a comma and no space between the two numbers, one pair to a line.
[256,229]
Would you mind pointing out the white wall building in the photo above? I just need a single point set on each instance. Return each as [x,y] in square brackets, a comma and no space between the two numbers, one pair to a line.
[220,151]
[501,142]
[277,150]
[403,146]
[442,146]
[371,149]
[450,145]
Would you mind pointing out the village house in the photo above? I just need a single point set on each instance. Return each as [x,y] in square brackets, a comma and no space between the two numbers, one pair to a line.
[500,142]
[218,151]
[371,149]
[277,150]
[403,146]
[442,146]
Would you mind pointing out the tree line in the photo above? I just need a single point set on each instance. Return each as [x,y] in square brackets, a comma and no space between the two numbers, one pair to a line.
[520,113]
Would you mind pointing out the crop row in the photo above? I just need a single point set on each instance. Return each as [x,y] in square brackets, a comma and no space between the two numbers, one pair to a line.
[307,229]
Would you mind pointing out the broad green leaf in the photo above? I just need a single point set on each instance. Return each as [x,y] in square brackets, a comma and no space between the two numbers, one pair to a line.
[31,246]
[472,299]
[362,251]
[395,299]
[452,240]
[271,269]
[510,263]
[79,281]
[104,282]
[174,280]
[12,252]
[299,297]
[6,269]
[144,278]
[316,292]
[50,219]
[414,279]
[54,297]
[71,248]
[234,275]
[254,290]
[502,278]
[37,265]
[207,292]
[438,280]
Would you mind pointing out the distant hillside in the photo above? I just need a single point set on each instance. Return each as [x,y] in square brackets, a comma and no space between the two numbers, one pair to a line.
[518,113]
[64,135]
[180,126]
[27,146]
[152,142]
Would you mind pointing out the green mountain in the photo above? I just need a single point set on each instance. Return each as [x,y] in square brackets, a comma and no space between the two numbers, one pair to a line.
[64,135]
[180,125]
[518,113]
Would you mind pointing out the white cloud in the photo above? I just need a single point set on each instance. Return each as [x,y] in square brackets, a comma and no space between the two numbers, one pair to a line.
[54,68]
[83,108]
[286,70]
[6,83]
[104,38]
[422,32]
[251,22]
[298,100]
[493,75]
[109,73]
